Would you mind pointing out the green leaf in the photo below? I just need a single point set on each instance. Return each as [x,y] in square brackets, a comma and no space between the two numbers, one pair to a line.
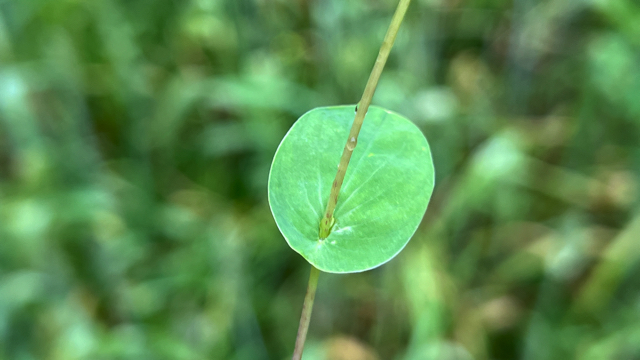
[385,193]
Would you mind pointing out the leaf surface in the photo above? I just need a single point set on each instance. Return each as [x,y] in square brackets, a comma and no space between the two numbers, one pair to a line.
[384,196]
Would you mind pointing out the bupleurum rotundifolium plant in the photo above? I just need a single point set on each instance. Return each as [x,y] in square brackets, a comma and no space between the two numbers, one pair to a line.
[361,214]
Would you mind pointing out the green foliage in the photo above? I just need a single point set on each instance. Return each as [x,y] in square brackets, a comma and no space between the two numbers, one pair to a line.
[136,138]
[384,196]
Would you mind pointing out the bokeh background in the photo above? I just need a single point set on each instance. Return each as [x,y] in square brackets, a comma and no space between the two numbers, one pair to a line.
[135,143]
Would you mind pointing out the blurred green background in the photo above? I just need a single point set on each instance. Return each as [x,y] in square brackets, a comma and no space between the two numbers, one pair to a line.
[135,143]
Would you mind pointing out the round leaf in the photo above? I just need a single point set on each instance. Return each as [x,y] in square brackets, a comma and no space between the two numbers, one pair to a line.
[384,196]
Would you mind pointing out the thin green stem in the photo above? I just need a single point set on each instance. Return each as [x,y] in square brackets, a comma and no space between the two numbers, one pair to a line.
[307,306]
[352,140]
[327,221]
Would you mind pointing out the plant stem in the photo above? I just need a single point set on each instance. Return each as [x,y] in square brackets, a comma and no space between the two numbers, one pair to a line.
[307,306]
[327,221]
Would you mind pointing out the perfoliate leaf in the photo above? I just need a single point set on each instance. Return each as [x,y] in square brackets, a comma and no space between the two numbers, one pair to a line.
[385,193]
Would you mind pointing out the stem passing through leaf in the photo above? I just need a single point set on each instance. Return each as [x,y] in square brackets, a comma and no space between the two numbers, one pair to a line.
[327,220]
